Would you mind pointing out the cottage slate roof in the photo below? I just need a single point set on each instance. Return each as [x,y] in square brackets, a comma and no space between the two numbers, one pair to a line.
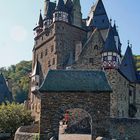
[75,80]
[5,94]
[127,67]
[110,45]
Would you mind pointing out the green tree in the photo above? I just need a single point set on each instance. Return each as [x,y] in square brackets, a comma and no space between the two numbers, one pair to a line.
[12,116]
[18,76]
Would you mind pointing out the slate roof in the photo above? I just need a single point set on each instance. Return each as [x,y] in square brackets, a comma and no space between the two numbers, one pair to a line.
[60,6]
[127,67]
[100,19]
[40,23]
[115,30]
[76,81]
[50,10]
[5,94]
[37,69]
[116,34]
[110,45]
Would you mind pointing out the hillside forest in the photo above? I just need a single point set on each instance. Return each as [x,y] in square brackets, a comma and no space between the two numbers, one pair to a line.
[18,77]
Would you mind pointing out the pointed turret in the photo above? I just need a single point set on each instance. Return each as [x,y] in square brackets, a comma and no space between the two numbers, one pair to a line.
[46,4]
[69,7]
[127,67]
[49,8]
[77,15]
[40,23]
[61,6]
[110,55]
[60,13]
[39,27]
[35,77]
[110,45]
[98,17]
[117,39]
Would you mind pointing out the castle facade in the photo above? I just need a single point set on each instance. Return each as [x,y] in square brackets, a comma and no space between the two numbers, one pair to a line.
[80,60]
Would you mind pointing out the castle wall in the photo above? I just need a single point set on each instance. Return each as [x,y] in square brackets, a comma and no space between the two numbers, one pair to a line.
[90,57]
[125,129]
[66,38]
[119,103]
[53,47]
[35,105]
[54,105]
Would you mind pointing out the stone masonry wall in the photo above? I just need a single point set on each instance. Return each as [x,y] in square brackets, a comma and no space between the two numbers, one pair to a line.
[125,129]
[91,58]
[26,136]
[54,105]
[120,95]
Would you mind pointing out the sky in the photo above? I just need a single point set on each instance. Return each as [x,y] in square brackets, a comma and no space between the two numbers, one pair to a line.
[19,17]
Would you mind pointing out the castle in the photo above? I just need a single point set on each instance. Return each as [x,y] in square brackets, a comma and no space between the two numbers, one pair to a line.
[77,63]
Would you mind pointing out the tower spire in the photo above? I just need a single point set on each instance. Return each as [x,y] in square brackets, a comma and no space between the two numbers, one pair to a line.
[46,4]
[77,15]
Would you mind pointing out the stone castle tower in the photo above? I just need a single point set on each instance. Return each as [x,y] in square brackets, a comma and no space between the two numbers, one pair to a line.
[65,41]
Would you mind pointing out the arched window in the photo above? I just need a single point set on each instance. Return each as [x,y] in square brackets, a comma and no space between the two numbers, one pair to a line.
[96,47]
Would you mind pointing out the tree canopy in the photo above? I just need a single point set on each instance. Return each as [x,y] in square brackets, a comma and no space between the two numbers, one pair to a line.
[12,116]
[19,80]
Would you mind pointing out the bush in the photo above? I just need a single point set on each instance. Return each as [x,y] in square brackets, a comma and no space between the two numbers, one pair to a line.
[12,116]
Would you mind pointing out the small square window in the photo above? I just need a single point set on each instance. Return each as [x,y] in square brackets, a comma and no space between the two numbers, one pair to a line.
[41,55]
[53,61]
[91,60]
[52,48]
[46,52]
[49,63]
[130,92]
[105,58]
[114,58]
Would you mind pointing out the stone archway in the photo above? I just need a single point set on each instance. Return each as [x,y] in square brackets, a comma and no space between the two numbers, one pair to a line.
[53,106]
[59,114]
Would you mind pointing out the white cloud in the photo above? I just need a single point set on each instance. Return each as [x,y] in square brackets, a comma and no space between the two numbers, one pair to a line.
[18,33]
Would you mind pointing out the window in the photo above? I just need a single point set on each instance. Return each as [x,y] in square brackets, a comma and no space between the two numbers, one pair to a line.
[52,48]
[59,15]
[130,92]
[109,57]
[53,61]
[96,47]
[91,60]
[114,58]
[122,113]
[46,52]
[103,20]
[49,63]
[41,55]
[105,58]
